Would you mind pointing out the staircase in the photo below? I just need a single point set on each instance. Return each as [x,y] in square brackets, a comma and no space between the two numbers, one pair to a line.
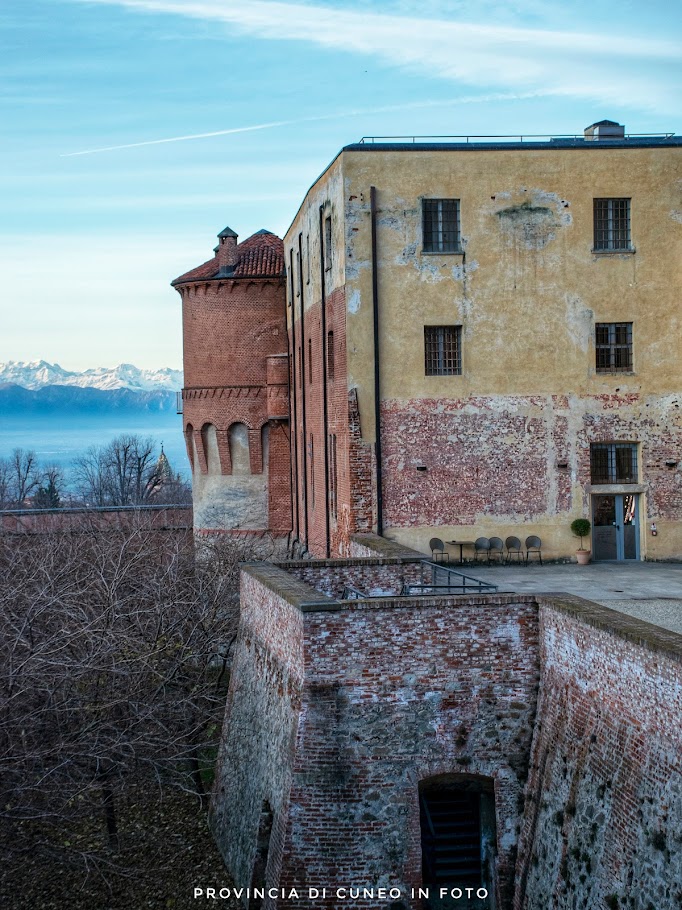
[451,842]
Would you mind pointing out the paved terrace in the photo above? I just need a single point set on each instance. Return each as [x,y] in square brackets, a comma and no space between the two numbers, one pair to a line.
[648,590]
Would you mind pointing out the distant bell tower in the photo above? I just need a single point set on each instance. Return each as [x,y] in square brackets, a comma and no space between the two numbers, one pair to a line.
[235,397]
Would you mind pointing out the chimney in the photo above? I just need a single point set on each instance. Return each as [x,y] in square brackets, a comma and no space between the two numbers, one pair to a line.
[226,251]
[605,129]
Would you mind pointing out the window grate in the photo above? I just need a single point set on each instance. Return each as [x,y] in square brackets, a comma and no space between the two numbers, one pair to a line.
[442,350]
[440,219]
[613,462]
[612,224]
[613,341]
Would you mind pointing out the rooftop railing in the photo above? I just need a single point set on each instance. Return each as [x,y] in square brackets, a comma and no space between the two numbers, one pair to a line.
[526,137]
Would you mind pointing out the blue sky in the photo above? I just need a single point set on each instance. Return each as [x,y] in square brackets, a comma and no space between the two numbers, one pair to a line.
[91,239]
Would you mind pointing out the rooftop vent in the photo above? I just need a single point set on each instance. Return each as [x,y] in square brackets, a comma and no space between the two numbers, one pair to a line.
[605,129]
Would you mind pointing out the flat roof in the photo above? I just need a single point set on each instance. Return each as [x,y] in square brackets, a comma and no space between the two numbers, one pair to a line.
[500,143]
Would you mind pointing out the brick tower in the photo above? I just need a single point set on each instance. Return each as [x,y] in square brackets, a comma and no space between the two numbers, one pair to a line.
[235,399]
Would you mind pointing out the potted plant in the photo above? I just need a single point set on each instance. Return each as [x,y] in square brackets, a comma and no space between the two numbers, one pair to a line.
[581,528]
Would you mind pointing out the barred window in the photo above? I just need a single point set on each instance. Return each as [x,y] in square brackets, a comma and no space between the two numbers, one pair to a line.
[442,350]
[613,341]
[613,462]
[612,224]
[440,220]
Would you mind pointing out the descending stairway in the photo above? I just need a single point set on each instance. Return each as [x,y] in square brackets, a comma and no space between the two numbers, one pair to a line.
[451,838]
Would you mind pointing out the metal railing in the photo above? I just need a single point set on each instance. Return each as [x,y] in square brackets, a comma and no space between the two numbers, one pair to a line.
[445,580]
[178,402]
[529,137]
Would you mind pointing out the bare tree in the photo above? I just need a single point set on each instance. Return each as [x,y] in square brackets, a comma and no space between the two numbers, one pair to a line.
[113,657]
[19,478]
[126,472]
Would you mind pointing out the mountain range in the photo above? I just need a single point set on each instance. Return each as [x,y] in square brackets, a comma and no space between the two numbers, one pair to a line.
[38,374]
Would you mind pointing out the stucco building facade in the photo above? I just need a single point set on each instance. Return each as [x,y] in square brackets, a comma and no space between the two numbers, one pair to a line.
[485,341]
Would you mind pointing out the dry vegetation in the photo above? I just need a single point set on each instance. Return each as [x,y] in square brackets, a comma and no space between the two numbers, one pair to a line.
[113,672]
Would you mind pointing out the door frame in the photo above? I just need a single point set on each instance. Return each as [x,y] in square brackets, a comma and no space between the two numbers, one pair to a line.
[620,525]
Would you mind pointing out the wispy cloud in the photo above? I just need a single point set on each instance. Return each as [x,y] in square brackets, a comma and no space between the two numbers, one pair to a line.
[487,56]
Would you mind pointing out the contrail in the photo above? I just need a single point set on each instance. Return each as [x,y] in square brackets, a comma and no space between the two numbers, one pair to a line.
[467,99]
[134,145]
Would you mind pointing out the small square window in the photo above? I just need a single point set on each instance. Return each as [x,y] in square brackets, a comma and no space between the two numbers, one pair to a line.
[440,224]
[612,224]
[613,342]
[613,462]
[442,350]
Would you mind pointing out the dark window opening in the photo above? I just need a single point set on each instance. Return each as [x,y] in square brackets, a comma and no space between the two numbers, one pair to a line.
[311,453]
[440,221]
[310,360]
[442,350]
[614,347]
[612,224]
[328,243]
[330,356]
[333,477]
[613,462]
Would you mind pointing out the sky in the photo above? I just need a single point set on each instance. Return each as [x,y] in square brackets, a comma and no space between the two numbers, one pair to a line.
[133,131]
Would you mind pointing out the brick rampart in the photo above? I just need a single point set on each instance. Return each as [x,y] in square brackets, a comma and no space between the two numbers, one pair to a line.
[603,820]
[392,691]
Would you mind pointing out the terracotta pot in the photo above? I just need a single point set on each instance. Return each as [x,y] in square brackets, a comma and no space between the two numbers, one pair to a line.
[583,557]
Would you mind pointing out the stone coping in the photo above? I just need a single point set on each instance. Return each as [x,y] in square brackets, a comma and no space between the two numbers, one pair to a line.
[309,600]
[637,631]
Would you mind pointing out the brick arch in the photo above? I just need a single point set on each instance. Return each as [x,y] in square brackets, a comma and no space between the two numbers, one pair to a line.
[210,450]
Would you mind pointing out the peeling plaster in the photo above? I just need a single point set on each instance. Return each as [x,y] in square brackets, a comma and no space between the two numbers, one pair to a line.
[354,302]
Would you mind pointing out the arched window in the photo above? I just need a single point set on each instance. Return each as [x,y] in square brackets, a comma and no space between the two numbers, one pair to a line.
[189,442]
[209,441]
[239,448]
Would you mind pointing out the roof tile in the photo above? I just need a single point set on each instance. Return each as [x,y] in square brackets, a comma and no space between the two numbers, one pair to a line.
[260,256]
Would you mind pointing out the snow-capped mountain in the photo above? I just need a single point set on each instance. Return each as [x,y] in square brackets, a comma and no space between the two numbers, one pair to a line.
[38,373]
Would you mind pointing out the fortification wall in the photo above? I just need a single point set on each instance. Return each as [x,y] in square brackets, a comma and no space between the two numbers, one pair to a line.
[393,691]
[603,821]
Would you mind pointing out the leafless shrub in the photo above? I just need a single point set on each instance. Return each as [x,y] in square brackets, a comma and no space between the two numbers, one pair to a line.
[113,659]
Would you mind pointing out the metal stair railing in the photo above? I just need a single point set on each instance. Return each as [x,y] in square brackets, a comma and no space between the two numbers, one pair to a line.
[445,580]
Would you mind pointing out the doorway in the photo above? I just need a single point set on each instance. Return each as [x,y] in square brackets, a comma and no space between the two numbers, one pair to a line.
[615,527]
[458,838]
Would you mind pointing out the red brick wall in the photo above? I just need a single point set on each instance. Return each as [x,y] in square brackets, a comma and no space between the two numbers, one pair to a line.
[235,347]
[499,456]
[353,457]
[393,692]
[603,816]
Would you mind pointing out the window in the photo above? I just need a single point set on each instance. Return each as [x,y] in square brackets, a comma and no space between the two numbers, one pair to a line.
[613,462]
[333,477]
[307,258]
[330,356]
[613,341]
[328,242]
[442,350]
[440,220]
[612,224]
[310,361]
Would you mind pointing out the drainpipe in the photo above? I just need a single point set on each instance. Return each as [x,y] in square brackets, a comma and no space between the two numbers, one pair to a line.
[293,426]
[325,410]
[304,447]
[377,384]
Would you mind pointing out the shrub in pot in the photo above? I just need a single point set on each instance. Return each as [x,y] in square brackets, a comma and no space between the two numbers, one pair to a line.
[581,528]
